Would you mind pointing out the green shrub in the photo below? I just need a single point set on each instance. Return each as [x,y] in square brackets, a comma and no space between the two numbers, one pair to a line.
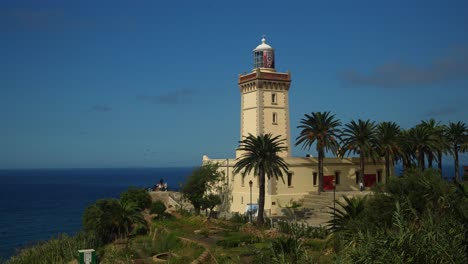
[109,219]
[139,230]
[302,230]
[184,212]
[378,211]
[315,244]
[167,242]
[138,196]
[239,218]
[426,221]
[158,207]
[465,177]
[98,219]
[285,249]
[236,240]
[61,249]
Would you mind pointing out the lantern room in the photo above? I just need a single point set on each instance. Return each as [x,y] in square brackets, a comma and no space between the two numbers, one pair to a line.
[264,56]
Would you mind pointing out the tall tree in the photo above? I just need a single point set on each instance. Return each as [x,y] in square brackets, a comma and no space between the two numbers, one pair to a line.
[109,219]
[421,139]
[456,134]
[260,155]
[440,144]
[200,183]
[407,151]
[127,214]
[361,138]
[322,129]
[388,137]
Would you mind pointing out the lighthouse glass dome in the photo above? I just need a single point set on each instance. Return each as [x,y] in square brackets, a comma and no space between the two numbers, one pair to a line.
[264,56]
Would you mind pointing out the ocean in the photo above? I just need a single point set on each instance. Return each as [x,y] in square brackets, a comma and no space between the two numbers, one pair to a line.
[38,204]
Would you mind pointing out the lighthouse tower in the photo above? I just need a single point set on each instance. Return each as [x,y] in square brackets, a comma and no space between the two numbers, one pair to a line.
[264,98]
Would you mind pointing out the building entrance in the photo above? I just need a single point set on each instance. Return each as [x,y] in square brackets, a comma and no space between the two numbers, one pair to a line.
[328,182]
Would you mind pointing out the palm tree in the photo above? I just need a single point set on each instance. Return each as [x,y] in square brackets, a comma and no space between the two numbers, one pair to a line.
[126,215]
[360,138]
[456,134]
[421,139]
[388,137]
[440,144]
[407,152]
[260,154]
[352,209]
[321,128]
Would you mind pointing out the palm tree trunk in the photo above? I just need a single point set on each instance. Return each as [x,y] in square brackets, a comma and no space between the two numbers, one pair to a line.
[261,197]
[439,161]
[361,173]
[421,160]
[320,160]
[455,155]
[387,167]
[406,163]
[430,158]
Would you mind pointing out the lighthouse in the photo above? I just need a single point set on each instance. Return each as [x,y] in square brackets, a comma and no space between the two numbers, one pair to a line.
[264,109]
[264,99]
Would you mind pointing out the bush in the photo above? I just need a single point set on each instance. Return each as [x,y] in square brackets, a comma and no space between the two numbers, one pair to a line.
[184,212]
[286,249]
[109,219]
[465,177]
[98,219]
[139,229]
[239,218]
[61,249]
[421,219]
[138,196]
[158,208]
[237,240]
[302,230]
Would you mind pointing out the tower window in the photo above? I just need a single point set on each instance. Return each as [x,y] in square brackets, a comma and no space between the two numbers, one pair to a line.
[274,98]
[275,118]
[315,178]
[290,176]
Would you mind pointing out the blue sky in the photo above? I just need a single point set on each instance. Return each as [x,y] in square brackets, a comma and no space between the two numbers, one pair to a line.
[154,83]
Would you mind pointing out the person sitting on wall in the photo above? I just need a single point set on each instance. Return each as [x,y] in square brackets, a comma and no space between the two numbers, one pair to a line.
[161,186]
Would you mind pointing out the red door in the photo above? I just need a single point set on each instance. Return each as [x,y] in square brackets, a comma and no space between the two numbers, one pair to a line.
[369,180]
[328,183]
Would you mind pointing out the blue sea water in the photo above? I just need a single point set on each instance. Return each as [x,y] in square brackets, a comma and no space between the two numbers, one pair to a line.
[38,204]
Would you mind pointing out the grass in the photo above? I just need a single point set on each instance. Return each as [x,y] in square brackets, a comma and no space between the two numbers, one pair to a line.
[61,249]
[228,242]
